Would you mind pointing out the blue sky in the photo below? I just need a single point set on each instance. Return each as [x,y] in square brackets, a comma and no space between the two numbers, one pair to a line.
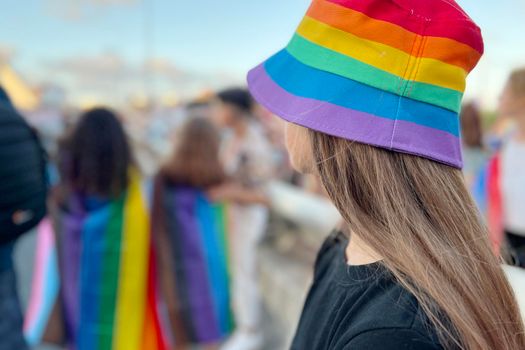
[203,40]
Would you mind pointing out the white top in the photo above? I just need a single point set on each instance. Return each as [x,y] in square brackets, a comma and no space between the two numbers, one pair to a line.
[249,160]
[513,186]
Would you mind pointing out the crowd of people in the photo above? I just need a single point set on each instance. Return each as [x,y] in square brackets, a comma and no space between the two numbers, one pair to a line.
[129,260]
[181,246]
[173,257]
[160,262]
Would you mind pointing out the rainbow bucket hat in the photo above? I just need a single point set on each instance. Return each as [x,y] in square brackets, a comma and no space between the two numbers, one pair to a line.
[389,73]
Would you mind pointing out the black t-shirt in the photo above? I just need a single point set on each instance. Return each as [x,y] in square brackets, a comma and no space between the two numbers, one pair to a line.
[359,307]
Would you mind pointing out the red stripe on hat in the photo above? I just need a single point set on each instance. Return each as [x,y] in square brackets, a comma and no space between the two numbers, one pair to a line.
[445,18]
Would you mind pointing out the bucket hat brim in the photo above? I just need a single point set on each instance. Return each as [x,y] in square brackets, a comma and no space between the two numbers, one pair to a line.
[331,104]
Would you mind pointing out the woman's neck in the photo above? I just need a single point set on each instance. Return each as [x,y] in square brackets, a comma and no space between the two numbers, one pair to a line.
[359,253]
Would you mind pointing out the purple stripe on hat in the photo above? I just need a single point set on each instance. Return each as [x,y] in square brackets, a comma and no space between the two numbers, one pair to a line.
[354,125]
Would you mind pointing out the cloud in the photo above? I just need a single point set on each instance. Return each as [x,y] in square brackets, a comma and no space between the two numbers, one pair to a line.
[101,67]
[109,66]
[74,10]
[110,77]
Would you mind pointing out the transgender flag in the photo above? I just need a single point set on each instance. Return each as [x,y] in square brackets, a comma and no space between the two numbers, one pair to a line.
[46,285]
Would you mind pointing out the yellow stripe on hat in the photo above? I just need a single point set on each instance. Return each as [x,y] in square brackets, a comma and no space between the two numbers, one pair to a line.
[384,57]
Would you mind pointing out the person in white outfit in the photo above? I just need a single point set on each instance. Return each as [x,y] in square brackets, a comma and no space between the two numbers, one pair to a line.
[248,160]
[512,166]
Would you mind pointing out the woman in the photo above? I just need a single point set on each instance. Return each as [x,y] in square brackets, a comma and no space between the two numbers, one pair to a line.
[500,190]
[108,297]
[475,154]
[191,234]
[371,90]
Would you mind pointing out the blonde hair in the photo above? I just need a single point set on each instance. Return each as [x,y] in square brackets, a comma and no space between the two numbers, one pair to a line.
[418,215]
[196,160]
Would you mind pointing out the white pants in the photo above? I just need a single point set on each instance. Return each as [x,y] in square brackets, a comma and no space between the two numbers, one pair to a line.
[249,226]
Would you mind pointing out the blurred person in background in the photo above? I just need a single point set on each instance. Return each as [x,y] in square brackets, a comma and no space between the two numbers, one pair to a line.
[500,188]
[475,154]
[274,132]
[248,159]
[411,266]
[192,236]
[107,296]
[23,191]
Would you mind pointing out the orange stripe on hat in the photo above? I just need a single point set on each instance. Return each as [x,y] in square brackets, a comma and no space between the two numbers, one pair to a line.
[356,23]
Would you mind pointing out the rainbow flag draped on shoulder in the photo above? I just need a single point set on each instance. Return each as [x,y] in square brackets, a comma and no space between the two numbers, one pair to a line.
[487,193]
[108,288]
[192,240]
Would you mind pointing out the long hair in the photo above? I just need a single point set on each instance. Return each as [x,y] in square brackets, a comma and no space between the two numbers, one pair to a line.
[418,215]
[196,161]
[98,156]
[517,82]
[471,127]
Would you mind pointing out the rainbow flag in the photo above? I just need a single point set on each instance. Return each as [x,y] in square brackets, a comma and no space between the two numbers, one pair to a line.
[108,276]
[194,232]
[486,191]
